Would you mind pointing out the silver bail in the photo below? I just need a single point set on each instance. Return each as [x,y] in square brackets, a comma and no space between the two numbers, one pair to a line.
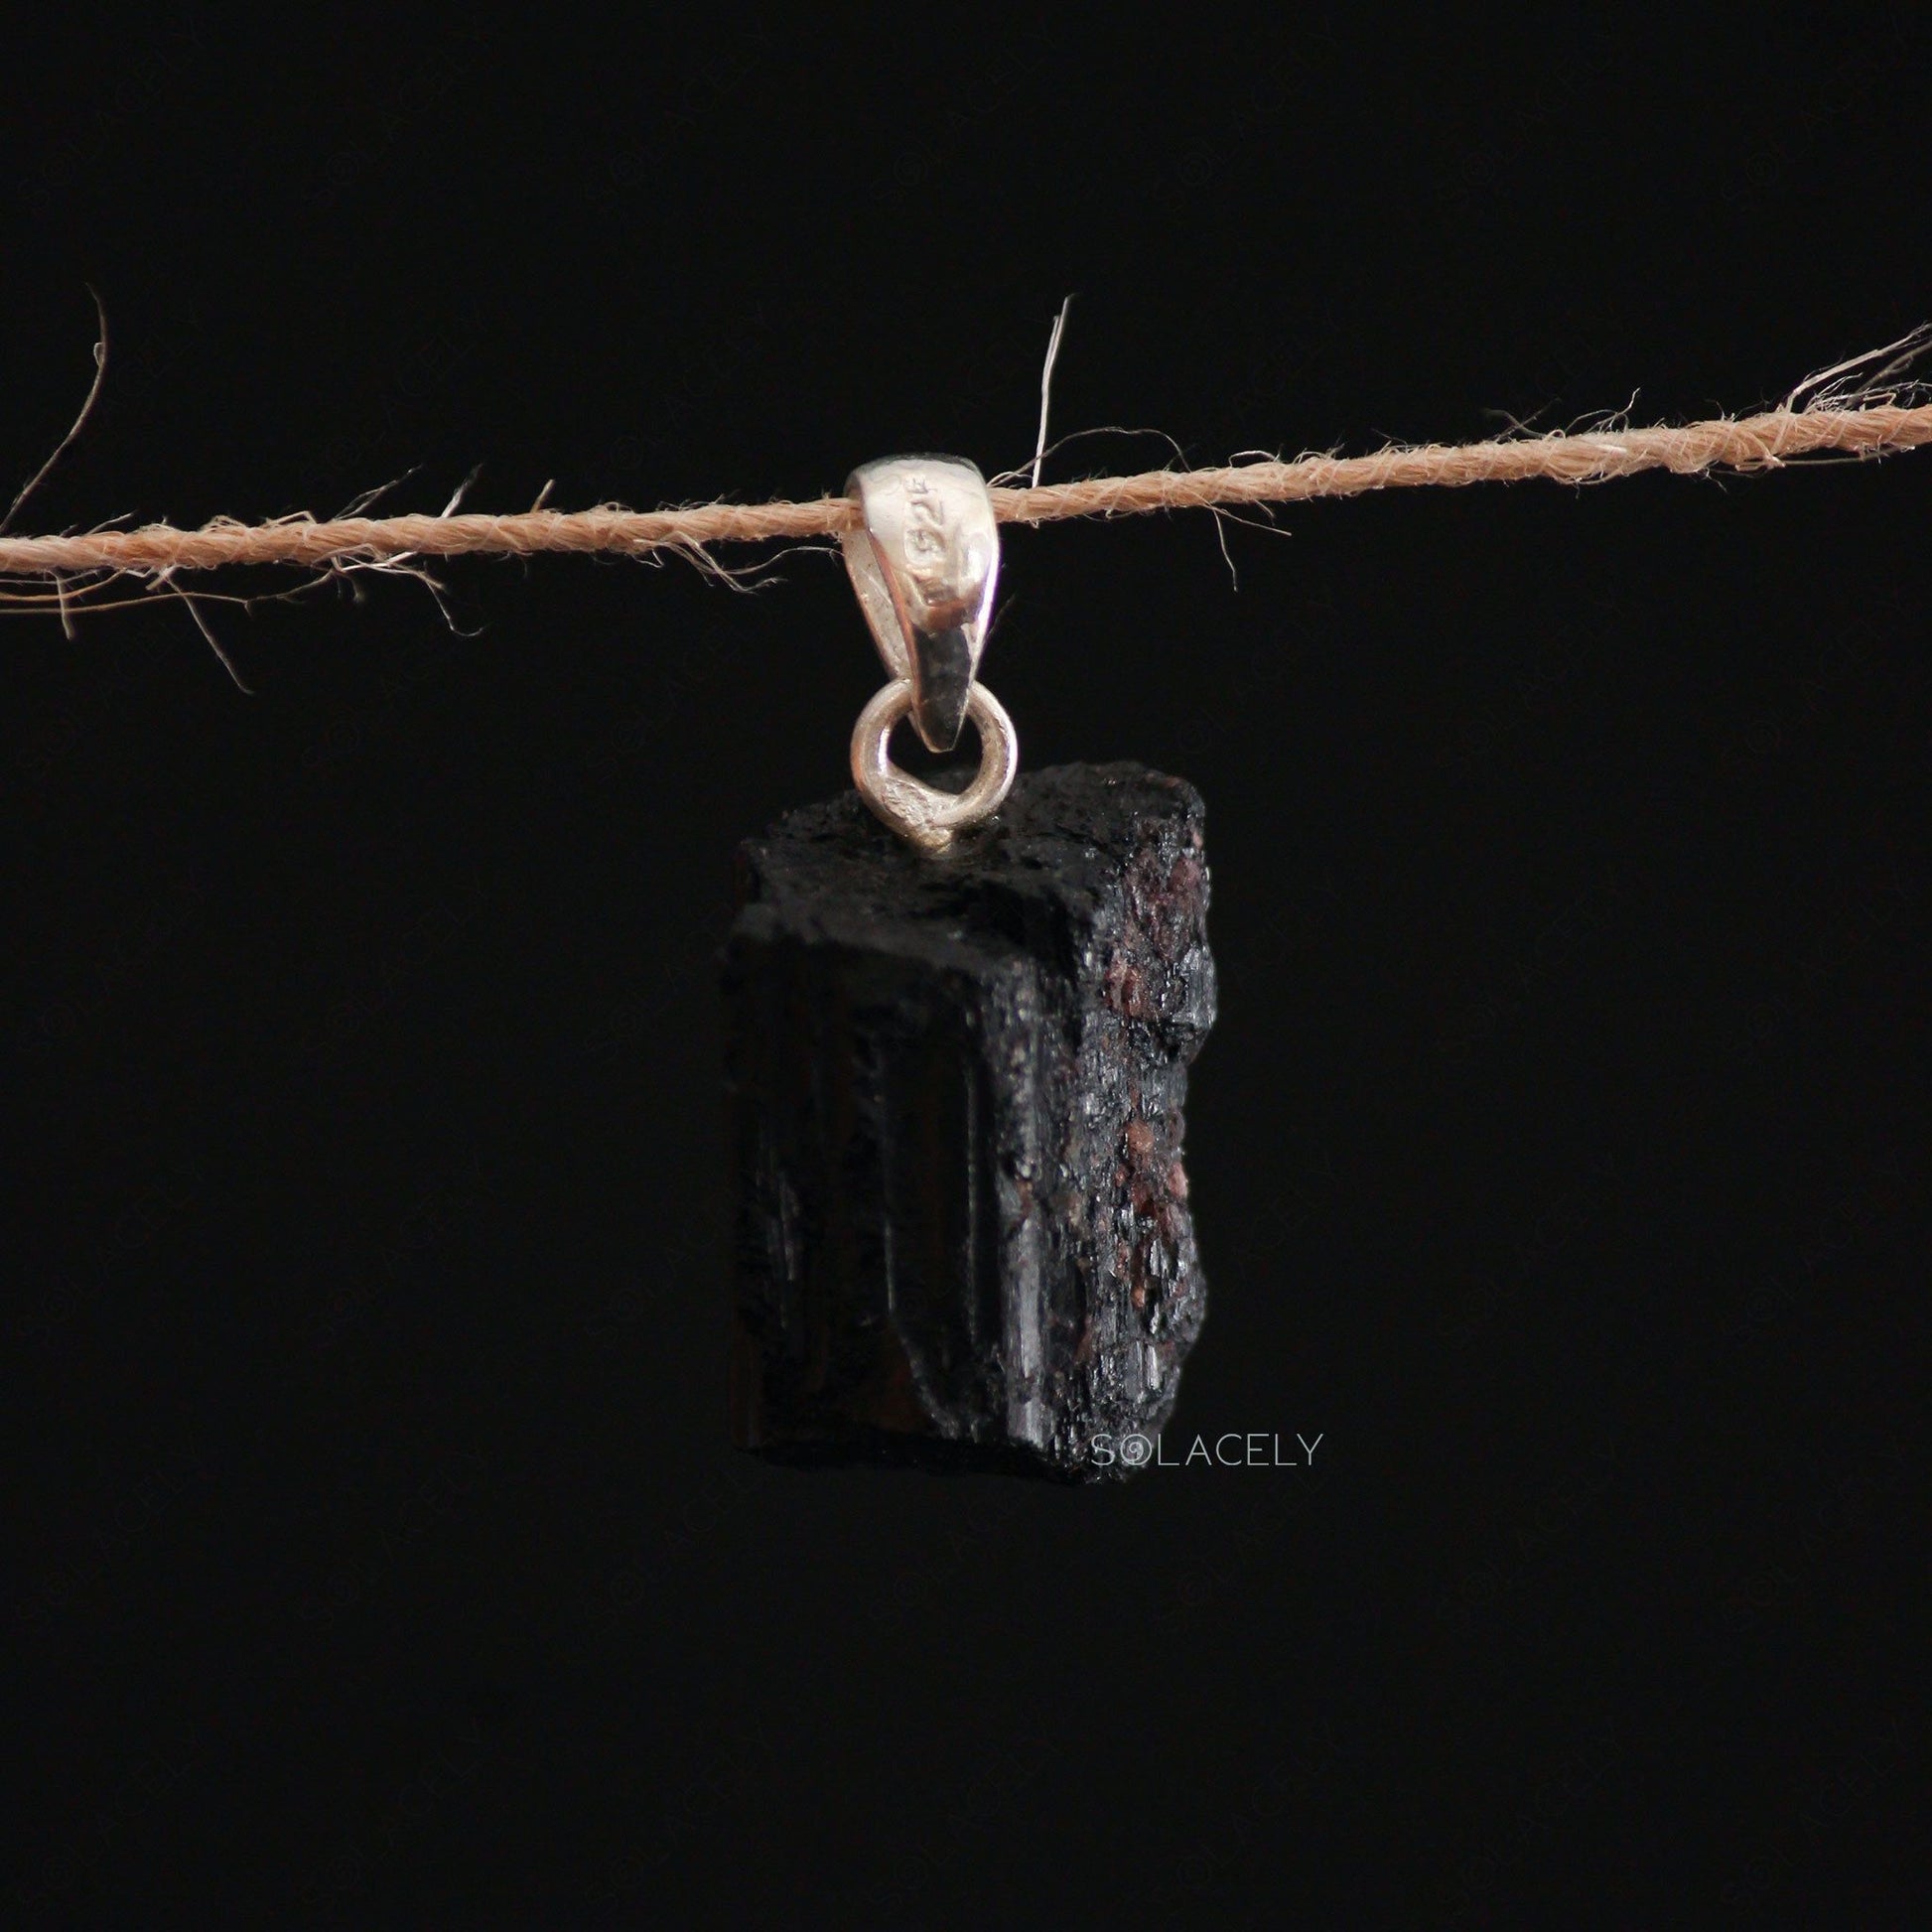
[924,564]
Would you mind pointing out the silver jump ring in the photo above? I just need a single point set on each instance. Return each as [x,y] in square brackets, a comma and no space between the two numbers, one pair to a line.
[916,810]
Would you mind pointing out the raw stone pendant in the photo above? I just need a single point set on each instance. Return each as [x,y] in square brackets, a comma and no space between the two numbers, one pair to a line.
[962,1237]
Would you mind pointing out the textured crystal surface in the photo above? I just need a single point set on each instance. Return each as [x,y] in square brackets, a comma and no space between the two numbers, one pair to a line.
[962,1232]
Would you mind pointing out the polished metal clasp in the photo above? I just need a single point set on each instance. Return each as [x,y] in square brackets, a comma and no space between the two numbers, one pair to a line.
[925,562]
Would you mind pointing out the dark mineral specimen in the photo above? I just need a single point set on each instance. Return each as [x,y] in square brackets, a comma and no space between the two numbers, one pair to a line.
[962,1235]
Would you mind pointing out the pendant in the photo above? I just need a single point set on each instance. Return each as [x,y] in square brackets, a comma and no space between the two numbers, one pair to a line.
[960,1028]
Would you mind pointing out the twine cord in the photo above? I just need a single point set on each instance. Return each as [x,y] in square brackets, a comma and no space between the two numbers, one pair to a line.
[1847,410]
[1765,441]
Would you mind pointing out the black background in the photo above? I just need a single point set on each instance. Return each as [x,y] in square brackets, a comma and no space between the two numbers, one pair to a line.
[1558,1159]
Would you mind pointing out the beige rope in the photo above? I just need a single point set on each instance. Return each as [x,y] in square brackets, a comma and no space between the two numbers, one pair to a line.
[1761,442]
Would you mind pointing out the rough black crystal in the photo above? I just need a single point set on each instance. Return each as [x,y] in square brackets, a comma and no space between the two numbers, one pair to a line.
[962,1235]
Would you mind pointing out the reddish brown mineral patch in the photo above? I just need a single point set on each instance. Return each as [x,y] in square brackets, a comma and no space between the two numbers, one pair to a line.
[1167,903]
[1125,989]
